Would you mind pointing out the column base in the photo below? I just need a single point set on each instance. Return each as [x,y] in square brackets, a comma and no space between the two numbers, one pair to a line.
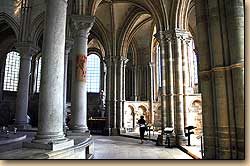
[181,140]
[107,131]
[122,130]
[21,126]
[55,145]
[79,129]
[167,141]
[115,131]
[72,133]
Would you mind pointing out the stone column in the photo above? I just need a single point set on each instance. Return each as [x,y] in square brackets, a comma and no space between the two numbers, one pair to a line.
[167,97]
[108,95]
[151,94]
[26,51]
[205,80]
[135,82]
[102,75]
[124,88]
[235,25]
[179,111]
[120,94]
[115,114]
[50,116]
[68,46]
[2,62]
[81,26]
[186,72]
[218,72]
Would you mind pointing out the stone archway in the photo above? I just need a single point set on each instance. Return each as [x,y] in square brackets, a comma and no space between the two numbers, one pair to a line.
[143,111]
[129,118]
[195,116]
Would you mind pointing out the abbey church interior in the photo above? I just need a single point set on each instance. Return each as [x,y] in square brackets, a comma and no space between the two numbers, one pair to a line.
[77,75]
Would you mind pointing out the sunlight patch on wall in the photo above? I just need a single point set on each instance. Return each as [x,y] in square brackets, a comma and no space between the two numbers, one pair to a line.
[18,5]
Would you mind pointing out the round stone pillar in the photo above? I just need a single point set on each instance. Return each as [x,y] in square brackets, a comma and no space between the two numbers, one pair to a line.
[120,94]
[179,111]
[108,94]
[114,127]
[50,115]
[167,97]
[124,88]
[205,79]
[68,46]
[81,26]
[23,85]
[151,92]
[236,33]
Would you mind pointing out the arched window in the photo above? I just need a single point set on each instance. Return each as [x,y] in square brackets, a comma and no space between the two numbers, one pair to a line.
[38,76]
[93,73]
[11,71]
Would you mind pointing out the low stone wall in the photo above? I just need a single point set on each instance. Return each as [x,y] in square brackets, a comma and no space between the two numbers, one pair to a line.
[83,149]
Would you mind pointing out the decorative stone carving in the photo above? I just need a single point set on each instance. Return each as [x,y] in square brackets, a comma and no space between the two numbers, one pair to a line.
[81,25]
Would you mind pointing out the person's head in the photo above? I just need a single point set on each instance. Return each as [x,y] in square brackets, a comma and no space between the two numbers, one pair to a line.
[142,117]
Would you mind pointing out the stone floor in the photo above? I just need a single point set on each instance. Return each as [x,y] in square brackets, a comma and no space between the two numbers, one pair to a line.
[117,147]
[194,150]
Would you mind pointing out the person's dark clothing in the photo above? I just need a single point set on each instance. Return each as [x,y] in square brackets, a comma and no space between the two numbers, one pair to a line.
[142,124]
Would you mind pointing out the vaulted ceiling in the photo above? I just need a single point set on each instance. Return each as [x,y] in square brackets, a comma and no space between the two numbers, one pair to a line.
[125,22]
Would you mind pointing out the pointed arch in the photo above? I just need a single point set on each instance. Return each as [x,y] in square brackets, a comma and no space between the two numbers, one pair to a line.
[37,28]
[11,22]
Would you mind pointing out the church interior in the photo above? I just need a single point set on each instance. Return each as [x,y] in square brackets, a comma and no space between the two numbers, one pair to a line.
[71,70]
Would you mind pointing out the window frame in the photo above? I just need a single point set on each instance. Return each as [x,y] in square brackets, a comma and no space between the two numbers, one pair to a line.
[95,89]
[15,71]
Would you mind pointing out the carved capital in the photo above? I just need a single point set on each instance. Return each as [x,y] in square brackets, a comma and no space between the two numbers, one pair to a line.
[164,36]
[82,24]
[108,61]
[172,35]
[27,49]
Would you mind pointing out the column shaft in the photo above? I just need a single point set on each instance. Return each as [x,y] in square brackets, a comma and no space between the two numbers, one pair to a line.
[120,90]
[179,91]
[235,25]
[68,46]
[115,61]
[151,92]
[108,94]
[205,80]
[82,25]
[50,115]
[23,91]
[135,83]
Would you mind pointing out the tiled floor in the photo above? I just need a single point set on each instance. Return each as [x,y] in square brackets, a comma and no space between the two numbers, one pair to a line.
[116,147]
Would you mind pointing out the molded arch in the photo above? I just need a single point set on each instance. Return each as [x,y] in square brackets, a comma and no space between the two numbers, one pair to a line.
[11,22]
[37,28]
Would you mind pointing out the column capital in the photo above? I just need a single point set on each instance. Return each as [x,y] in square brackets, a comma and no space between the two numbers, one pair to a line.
[172,35]
[27,49]
[108,61]
[125,60]
[81,23]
